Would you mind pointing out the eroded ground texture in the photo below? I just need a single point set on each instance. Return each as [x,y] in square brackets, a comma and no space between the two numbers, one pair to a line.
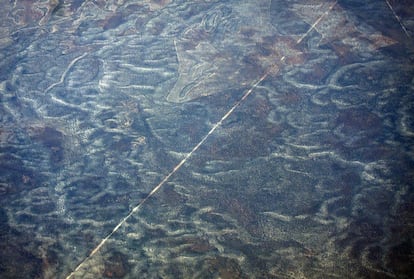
[310,175]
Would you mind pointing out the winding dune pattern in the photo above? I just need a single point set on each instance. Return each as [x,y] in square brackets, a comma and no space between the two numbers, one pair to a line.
[311,175]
